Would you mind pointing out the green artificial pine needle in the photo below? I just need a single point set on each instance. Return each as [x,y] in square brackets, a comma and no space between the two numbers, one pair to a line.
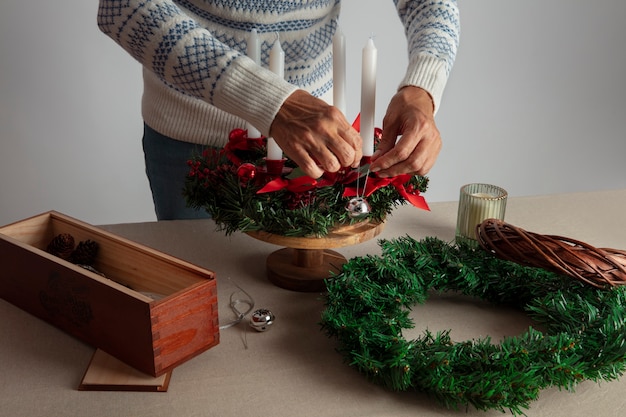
[367,304]
[214,184]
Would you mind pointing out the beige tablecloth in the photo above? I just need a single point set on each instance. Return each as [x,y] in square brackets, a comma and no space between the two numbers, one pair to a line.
[293,369]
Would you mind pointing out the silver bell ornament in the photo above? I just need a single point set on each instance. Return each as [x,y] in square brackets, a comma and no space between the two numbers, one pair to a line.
[261,320]
[358,207]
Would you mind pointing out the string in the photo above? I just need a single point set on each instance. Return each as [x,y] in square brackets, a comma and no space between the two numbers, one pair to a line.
[240,314]
[358,181]
[367,174]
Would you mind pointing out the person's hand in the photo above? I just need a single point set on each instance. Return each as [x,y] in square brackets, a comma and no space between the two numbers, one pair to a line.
[315,135]
[410,115]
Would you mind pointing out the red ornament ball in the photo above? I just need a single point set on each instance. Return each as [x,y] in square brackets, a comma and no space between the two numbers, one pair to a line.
[246,172]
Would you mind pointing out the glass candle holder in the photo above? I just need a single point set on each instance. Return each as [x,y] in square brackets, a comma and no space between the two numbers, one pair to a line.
[477,203]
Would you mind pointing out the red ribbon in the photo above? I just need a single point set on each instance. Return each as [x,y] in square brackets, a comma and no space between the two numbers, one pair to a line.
[299,184]
[357,123]
[306,183]
[239,141]
[375,183]
[296,185]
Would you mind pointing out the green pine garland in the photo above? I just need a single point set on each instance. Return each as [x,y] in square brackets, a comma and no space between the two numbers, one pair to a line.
[368,303]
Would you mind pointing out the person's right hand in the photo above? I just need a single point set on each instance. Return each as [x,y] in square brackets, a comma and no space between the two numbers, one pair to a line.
[315,135]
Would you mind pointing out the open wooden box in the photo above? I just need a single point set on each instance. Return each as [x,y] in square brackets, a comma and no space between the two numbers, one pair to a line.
[119,313]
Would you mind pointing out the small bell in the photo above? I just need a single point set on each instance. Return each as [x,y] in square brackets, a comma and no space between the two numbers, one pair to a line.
[358,207]
[261,319]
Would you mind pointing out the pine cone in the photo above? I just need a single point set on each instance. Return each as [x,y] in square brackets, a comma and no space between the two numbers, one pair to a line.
[62,246]
[85,253]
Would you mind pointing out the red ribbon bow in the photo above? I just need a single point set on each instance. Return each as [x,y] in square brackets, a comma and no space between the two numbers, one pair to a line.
[374,183]
[238,140]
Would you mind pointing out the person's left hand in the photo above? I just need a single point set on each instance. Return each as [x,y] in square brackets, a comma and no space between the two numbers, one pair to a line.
[410,115]
[315,135]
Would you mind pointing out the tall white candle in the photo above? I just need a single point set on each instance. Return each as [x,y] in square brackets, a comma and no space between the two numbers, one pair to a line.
[368,96]
[277,66]
[254,47]
[339,71]
[253,51]
[277,59]
[274,152]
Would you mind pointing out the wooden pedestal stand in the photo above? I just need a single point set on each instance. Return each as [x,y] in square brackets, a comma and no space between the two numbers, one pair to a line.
[304,263]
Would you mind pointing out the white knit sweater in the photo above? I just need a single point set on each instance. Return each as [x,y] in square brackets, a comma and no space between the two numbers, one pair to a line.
[199,84]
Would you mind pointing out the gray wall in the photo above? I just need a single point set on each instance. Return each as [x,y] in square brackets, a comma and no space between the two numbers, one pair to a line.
[536,103]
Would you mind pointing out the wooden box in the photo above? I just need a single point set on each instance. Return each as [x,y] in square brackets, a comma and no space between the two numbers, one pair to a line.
[120,313]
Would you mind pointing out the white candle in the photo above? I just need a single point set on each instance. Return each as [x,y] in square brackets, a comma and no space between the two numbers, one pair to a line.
[368,96]
[339,71]
[254,47]
[277,59]
[481,207]
[254,52]
[274,153]
[277,66]
[477,203]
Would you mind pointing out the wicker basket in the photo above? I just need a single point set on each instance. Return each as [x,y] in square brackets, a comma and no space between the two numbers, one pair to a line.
[600,267]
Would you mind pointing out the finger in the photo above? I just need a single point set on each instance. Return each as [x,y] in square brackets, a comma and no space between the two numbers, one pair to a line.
[327,160]
[396,153]
[336,150]
[388,140]
[304,159]
[348,148]
[308,166]
[420,161]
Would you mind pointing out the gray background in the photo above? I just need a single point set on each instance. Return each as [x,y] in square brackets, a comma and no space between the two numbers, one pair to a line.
[536,103]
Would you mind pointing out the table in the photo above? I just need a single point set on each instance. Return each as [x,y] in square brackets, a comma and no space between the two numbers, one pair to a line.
[293,369]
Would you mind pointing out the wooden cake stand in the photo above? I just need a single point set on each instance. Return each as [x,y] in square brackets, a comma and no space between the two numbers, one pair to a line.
[305,262]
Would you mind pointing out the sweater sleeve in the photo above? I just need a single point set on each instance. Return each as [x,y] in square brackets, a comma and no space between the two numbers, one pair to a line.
[187,57]
[432,30]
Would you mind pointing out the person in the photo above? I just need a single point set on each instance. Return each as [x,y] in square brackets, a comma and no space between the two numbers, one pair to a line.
[199,84]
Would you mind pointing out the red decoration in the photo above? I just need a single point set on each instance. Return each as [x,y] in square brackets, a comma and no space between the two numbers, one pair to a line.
[246,173]
[238,140]
[374,183]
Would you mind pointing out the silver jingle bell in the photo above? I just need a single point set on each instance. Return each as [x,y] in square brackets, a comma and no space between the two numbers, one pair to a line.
[358,207]
[261,320]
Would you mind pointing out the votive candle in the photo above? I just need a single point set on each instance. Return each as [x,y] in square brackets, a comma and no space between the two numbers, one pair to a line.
[477,203]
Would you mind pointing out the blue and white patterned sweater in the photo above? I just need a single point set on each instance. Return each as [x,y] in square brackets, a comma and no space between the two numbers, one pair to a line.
[199,84]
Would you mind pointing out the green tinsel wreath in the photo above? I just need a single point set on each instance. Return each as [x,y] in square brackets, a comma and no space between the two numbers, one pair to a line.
[583,334]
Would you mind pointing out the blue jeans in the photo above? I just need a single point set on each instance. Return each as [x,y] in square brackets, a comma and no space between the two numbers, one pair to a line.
[166,168]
